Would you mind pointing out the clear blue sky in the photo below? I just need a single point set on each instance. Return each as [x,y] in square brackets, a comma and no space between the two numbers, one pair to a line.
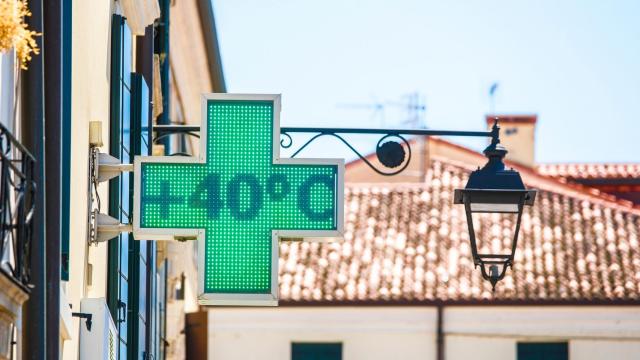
[574,63]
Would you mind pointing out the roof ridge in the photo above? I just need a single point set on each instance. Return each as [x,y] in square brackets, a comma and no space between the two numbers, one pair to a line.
[532,172]
[528,172]
[579,189]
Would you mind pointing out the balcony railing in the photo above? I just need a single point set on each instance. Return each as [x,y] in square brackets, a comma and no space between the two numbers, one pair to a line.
[17,204]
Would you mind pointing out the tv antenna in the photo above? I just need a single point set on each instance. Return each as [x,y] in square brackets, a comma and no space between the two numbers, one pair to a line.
[413,106]
[376,107]
[492,97]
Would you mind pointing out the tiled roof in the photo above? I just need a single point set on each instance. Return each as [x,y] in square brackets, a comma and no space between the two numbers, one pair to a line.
[408,243]
[591,171]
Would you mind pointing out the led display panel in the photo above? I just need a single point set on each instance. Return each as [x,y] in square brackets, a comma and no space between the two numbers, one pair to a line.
[237,199]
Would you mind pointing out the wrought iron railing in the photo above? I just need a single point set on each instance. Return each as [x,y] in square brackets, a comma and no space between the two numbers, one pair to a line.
[17,204]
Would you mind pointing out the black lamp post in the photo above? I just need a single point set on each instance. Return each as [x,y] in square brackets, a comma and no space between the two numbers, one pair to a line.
[494,189]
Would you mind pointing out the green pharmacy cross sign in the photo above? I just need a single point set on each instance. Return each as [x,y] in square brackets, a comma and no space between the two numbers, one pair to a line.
[237,198]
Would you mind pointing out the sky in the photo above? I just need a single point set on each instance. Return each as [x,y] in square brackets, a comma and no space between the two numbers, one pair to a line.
[576,64]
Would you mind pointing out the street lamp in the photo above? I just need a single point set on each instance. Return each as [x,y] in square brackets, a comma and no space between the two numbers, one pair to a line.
[494,189]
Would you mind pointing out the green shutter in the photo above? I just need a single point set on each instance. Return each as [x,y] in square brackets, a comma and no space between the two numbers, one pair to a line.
[66,140]
[316,351]
[543,351]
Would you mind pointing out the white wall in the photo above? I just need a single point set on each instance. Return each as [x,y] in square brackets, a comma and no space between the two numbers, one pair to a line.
[493,332]
[366,333]
[373,333]
[478,348]
[608,350]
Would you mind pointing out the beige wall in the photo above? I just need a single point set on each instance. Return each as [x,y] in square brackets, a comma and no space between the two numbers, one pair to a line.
[189,67]
[90,101]
[519,139]
[409,332]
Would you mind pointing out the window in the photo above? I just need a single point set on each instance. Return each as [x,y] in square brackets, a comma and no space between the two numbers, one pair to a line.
[8,93]
[131,281]
[316,351]
[118,277]
[543,351]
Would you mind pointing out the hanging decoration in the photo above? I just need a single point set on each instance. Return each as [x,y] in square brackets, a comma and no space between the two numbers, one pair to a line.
[14,32]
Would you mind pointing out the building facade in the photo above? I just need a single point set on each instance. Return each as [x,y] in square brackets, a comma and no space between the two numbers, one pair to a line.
[107,73]
[386,331]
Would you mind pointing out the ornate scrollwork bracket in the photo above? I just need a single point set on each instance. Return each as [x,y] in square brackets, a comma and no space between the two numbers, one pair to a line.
[390,150]
[393,150]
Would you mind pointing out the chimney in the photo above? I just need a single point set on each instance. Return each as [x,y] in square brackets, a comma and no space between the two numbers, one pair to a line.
[517,134]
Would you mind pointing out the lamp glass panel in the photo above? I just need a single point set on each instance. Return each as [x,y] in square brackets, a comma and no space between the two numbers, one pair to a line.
[499,208]
[494,232]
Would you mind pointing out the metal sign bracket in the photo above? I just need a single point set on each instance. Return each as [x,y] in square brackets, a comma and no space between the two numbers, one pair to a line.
[103,167]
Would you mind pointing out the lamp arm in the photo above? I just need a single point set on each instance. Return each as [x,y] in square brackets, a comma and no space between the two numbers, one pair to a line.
[369,131]
[395,157]
[386,135]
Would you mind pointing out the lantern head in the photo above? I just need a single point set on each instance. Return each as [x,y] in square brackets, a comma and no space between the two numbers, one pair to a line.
[495,190]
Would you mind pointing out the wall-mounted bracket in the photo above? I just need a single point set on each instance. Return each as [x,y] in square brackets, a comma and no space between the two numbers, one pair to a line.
[105,227]
[86,316]
[390,149]
[103,167]
[109,167]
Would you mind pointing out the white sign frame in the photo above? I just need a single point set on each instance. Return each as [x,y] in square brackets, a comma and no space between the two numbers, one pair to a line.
[270,299]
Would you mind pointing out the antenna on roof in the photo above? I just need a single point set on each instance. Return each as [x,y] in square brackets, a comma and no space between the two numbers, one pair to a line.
[492,97]
[376,106]
[413,104]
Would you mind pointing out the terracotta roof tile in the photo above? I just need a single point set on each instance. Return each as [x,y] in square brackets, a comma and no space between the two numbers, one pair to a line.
[409,243]
[591,171]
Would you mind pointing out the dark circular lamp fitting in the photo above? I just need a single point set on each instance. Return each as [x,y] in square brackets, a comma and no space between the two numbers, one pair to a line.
[391,154]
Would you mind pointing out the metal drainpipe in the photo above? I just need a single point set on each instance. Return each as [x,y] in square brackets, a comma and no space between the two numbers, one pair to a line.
[32,113]
[52,22]
[162,47]
[440,333]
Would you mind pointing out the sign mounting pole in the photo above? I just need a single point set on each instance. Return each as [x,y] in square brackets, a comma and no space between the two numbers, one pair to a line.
[237,198]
